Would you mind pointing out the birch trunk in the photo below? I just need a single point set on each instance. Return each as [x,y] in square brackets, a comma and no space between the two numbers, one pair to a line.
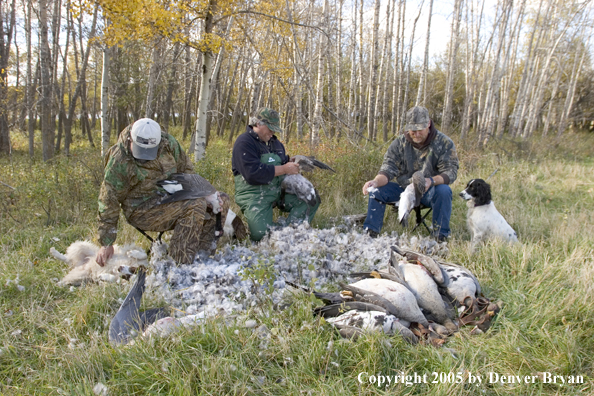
[471,66]
[7,32]
[205,83]
[511,55]
[62,89]
[575,74]
[552,101]
[171,83]
[351,106]
[339,76]
[152,81]
[361,99]
[408,67]
[381,78]
[105,125]
[374,65]
[397,69]
[317,116]
[30,93]
[491,99]
[535,106]
[79,90]
[452,57]
[421,93]
[45,97]
[387,75]
[519,105]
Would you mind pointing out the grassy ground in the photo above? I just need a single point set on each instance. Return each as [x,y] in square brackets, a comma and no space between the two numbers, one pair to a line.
[54,340]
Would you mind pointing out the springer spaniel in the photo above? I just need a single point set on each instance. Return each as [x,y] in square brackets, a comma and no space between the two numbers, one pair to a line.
[483,219]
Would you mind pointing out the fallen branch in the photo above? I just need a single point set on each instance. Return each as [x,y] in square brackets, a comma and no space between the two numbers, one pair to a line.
[4,184]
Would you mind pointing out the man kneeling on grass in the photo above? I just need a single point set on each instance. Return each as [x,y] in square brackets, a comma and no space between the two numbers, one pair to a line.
[143,156]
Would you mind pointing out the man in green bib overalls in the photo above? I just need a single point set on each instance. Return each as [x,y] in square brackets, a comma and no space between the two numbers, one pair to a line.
[260,164]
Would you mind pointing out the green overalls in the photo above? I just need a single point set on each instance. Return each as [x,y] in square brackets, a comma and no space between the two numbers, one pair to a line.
[257,201]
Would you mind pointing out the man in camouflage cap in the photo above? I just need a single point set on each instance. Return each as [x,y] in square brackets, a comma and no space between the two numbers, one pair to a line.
[421,147]
[143,156]
[260,164]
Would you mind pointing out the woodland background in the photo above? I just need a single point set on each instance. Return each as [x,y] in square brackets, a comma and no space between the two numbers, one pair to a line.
[334,68]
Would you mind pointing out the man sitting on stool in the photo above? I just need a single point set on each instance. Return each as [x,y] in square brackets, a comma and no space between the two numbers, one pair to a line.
[421,147]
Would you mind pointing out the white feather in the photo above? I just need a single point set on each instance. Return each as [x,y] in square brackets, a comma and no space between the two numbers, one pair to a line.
[172,187]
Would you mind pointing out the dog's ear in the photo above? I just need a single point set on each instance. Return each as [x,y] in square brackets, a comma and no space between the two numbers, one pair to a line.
[483,192]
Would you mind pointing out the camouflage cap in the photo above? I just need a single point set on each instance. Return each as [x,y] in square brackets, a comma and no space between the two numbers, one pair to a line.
[417,118]
[270,118]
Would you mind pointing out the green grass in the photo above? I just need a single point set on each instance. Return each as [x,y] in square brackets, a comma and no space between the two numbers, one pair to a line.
[54,340]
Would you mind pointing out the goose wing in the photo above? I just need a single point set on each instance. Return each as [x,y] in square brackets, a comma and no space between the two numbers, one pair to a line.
[184,186]
[127,319]
[308,164]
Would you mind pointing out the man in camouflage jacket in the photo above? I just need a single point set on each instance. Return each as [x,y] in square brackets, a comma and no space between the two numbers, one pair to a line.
[144,155]
[420,148]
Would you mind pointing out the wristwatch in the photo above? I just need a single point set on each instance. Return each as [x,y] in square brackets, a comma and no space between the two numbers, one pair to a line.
[432,182]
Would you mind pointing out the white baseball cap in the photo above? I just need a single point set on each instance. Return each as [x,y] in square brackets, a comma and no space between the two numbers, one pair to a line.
[146,136]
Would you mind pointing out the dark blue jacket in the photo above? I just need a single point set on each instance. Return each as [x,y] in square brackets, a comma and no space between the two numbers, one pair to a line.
[248,149]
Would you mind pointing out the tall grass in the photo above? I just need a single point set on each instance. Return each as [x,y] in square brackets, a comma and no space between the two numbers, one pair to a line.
[54,340]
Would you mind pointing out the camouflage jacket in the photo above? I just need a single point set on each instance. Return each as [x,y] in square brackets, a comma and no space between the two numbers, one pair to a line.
[438,158]
[131,183]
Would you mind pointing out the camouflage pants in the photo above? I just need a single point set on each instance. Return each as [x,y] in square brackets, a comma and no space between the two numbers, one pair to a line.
[192,221]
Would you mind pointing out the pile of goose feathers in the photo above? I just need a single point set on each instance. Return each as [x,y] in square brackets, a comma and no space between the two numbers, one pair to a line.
[415,292]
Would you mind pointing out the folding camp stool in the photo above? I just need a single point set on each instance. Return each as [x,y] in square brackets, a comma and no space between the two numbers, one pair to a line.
[150,238]
[421,213]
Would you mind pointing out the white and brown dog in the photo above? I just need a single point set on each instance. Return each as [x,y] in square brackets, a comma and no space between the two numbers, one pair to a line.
[483,219]
[81,258]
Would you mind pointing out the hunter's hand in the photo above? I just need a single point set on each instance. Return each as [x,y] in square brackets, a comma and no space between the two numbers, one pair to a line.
[291,168]
[368,185]
[104,254]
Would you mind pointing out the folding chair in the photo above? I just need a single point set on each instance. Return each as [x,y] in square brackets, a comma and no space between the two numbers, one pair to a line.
[419,214]
[148,251]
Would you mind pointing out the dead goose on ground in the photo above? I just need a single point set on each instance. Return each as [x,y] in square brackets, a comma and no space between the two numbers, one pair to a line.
[380,275]
[427,294]
[374,321]
[334,310]
[404,303]
[460,282]
[129,321]
[429,263]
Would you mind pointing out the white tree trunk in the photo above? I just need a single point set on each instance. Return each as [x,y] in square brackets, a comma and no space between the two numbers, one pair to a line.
[491,99]
[203,101]
[571,93]
[317,116]
[520,102]
[408,67]
[45,98]
[535,106]
[105,125]
[510,64]
[152,81]
[351,107]
[398,68]
[472,55]
[387,73]
[552,101]
[452,57]
[374,65]
[421,93]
